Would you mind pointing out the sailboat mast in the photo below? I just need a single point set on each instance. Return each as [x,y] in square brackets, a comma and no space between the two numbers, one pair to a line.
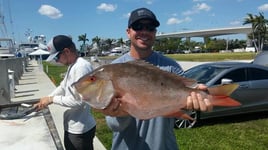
[2,22]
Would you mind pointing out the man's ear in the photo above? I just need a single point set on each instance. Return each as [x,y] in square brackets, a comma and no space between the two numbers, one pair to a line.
[128,30]
[67,50]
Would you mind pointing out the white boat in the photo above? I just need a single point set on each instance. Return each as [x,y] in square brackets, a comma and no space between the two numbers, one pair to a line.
[117,51]
[33,44]
[27,48]
[7,48]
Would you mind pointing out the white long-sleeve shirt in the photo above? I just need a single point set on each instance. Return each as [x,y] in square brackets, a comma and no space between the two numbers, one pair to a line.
[78,118]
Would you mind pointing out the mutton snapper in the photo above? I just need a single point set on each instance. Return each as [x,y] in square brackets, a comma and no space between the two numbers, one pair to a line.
[149,91]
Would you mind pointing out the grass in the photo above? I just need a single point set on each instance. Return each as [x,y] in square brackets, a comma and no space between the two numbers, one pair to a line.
[103,132]
[251,133]
[54,72]
[212,56]
[228,134]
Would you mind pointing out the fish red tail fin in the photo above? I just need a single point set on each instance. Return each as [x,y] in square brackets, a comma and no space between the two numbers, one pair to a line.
[224,101]
[220,95]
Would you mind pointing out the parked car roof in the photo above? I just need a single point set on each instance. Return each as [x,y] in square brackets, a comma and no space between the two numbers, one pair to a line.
[261,58]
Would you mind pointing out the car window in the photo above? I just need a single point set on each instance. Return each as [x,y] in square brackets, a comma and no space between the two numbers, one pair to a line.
[257,74]
[237,75]
[203,74]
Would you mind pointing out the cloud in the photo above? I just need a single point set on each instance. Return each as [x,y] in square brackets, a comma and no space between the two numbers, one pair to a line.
[235,22]
[198,0]
[189,12]
[187,19]
[174,14]
[149,2]
[126,15]
[202,6]
[263,7]
[173,20]
[107,7]
[197,8]
[50,11]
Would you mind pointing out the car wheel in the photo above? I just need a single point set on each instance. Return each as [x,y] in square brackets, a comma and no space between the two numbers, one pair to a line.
[185,123]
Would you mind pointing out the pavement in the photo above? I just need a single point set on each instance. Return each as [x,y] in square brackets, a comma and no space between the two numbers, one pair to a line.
[33,85]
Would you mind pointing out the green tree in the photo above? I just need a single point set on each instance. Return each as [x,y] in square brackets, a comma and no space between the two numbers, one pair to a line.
[107,44]
[121,42]
[96,40]
[83,38]
[259,29]
[214,44]
[160,44]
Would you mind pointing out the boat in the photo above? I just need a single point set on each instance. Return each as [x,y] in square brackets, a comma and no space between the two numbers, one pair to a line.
[33,44]
[117,51]
[27,48]
[7,48]
[7,44]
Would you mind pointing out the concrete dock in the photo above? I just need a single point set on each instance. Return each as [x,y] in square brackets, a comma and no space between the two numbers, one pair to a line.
[32,132]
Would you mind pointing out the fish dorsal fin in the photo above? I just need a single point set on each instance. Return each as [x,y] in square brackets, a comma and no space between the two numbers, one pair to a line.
[186,81]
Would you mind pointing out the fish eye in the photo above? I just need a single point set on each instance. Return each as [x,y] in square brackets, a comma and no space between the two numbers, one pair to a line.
[93,78]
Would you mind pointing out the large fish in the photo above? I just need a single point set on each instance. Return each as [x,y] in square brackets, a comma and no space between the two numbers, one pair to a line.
[149,91]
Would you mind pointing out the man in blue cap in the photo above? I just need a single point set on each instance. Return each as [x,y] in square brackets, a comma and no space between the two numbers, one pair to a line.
[130,133]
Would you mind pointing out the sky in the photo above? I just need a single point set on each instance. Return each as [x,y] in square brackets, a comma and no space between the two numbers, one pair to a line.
[108,18]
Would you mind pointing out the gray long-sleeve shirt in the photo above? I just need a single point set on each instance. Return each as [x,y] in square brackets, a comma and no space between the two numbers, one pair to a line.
[153,134]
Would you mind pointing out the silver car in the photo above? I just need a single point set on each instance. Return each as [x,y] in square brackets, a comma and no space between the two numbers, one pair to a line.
[252,92]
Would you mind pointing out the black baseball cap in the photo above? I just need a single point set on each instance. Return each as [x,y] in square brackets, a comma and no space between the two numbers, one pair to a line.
[142,13]
[57,44]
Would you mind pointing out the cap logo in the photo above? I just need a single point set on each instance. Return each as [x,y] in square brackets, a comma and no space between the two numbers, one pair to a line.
[143,13]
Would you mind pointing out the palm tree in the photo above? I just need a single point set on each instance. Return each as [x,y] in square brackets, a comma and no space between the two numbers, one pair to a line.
[109,43]
[96,40]
[121,42]
[259,29]
[83,38]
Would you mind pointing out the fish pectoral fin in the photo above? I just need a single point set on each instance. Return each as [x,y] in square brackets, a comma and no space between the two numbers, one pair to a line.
[127,97]
[129,104]
[180,114]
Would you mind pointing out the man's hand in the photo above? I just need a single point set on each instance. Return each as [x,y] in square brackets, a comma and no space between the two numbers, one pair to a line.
[197,102]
